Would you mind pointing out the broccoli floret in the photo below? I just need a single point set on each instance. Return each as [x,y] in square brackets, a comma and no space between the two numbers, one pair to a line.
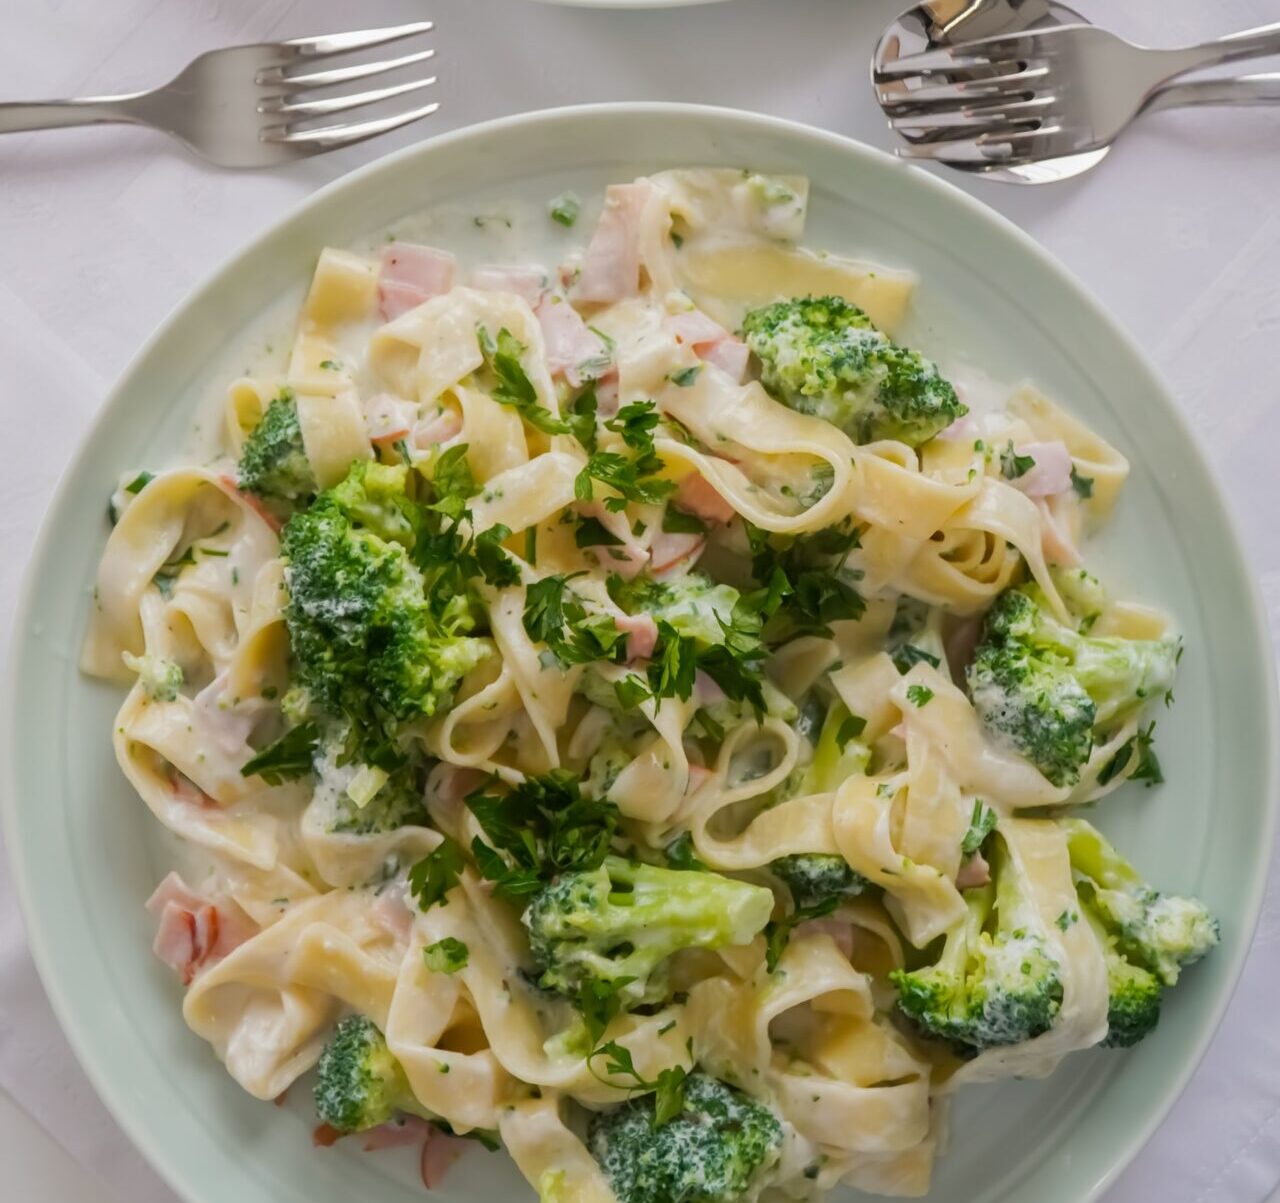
[1049,690]
[361,799]
[273,462]
[359,1084]
[822,356]
[693,605]
[369,647]
[624,919]
[997,981]
[160,678]
[1133,993]
[1158,932]
[715,1151]
[815,877]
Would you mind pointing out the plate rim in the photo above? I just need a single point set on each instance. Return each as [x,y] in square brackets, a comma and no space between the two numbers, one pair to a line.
[111,1095]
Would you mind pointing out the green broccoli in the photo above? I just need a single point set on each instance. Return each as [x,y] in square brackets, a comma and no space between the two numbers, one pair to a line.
[695,607]
[273,462]
[369,646]
[816,877]
[718,1149]
[997,980]
[1050,690]
[359,1084]
[1133,993]
[822,356]
[160,678]
[361,799]
[622,920]
[1158,932]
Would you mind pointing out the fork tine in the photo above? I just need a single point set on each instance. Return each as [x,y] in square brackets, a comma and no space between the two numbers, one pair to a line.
[340,75]
[330,137]
[981,149]
[286,107]
[972,119]
[963,57]
[962,91]
[359,39]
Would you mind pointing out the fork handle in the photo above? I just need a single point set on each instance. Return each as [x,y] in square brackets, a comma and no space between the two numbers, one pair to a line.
[17,116]
[1244,90]
[1249,43]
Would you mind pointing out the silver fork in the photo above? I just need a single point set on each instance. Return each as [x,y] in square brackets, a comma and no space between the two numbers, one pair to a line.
[251,106]
[1031,96]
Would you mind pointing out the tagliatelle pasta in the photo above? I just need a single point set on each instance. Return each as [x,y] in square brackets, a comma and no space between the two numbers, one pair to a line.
[603,709]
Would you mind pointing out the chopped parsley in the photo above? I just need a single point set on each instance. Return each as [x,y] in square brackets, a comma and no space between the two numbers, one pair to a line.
[287,759]
[513,387]
[1013,465]
[446,956]
[564,209]
[981,824]
[919,695]
[436,874]
[1083,485]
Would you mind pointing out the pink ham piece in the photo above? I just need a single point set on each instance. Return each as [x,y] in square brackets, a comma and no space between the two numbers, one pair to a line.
[410,275]
[962,430]
[698,777]
[436,429]
[231,486]
[439,1152]
[675,551]
[973,873]
[710,341]
[607,394]
[696,496]
[1051,473]
[528,283]
[389,418]
[611,266]
[573,351]
[396,1133]
[627,557]
[642,635]
[393,913]
[193,930]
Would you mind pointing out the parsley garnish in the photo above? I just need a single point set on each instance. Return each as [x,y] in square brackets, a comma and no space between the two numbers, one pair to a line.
[331,365]
[592,532]
[1013,465]
[908,654]
[630,691]
[801,590]
[674,665]
[850,728]
[981,824]
[686,376]
[1143,746]
[514,388]
[287,759]
[139,482]
[680,853]
[778,934]
[633,479]
[436,874]
[540,828]
[1083,485]
[580,414]
[555,615]
[1066,919]
[919,695]
[565,209]
[668,1086]
[679,522]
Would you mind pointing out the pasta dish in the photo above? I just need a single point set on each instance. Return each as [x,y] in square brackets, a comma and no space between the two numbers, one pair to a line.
[632,713]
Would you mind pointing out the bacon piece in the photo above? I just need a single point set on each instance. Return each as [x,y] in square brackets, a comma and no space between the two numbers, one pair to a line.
[439,1152]
[396,1133]
[672,551]
[410,275]
[528,283]
[571,346]
[1051,473]
[698,496]
[611,266]
[325,1136]
[642,635]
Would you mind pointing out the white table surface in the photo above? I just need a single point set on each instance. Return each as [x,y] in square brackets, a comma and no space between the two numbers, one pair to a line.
[103,231]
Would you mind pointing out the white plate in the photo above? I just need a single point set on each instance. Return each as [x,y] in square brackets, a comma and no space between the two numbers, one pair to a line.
[81,841]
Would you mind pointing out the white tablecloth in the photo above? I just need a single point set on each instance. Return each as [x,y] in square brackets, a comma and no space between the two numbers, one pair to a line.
[103,231]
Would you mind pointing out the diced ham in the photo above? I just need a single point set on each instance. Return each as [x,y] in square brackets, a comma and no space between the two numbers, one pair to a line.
[436,429]
[573,351]
[642,635]
[410,275]
[392,912]
[607,394]
[611,266]
[439,1152]
[228,725]
[1052,471]
[396,1133]
[962,430]
[730,355]
[672,551]
[710,341]
[974,872]
[185,939]
[186,790]
[389,418]
[174,889]
[528,283]
[705,691]
[697,496]
[627,557]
